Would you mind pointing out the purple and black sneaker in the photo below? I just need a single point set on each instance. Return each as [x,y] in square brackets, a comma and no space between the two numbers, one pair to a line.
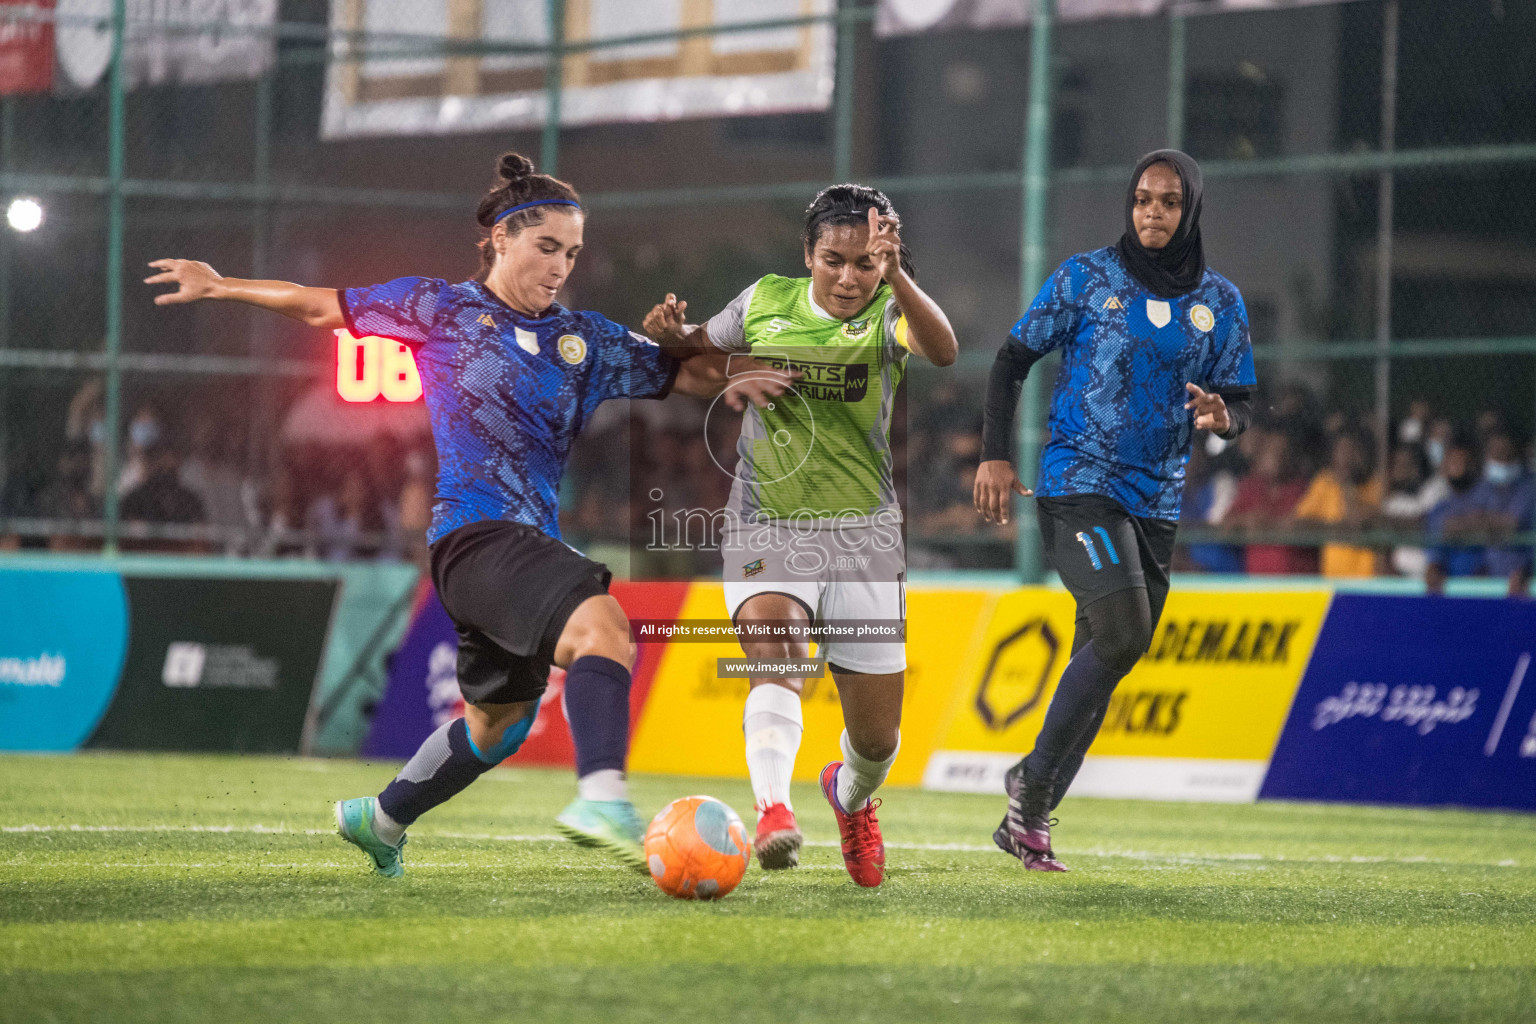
[1026,829]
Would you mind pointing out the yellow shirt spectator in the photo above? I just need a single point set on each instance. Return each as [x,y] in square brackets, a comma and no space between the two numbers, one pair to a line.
[1331,499]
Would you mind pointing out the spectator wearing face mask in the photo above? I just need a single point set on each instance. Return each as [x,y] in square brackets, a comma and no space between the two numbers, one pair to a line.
[144,433]
[1505,497]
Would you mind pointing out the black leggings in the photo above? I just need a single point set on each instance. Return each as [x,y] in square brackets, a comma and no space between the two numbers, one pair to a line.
[1120,627]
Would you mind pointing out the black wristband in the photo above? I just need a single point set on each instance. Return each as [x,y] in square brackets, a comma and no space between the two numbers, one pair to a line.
[1239,403]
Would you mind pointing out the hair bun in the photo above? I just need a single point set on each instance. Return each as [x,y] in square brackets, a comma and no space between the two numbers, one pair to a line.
[515,167]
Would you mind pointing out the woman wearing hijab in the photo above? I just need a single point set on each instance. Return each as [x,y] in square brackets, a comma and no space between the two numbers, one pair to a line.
[1154,347]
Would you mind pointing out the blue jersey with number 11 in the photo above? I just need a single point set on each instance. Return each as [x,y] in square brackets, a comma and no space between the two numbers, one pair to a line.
[507,393]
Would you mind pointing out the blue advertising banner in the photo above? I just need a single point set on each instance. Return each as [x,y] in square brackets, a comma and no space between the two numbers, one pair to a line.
[96,659]
[1415,700]
[63,637]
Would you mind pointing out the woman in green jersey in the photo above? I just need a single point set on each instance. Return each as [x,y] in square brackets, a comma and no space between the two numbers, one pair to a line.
[813,530]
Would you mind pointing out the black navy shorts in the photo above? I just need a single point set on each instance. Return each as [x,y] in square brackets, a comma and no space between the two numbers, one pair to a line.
[509,589]
[1100,549]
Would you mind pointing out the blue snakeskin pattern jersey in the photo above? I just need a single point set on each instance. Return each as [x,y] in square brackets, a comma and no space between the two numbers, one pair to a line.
[507,393]
[1118,426]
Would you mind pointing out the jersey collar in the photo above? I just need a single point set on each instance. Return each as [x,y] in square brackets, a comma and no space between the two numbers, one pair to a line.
[554,309]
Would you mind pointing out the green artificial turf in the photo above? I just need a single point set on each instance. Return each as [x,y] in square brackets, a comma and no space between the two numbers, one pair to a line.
[163,888]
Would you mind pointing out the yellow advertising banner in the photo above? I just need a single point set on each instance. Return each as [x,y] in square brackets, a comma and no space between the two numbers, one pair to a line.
[691,723]
[1198,717]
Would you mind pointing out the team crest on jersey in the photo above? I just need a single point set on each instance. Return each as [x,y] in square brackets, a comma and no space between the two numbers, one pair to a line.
[572,349]
[854,329]
[1202,318]
[753,568]
[1113,302]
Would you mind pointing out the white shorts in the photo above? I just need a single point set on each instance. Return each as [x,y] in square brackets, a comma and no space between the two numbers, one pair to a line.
[848,578]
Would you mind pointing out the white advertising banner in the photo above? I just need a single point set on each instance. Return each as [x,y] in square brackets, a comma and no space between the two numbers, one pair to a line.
[164,41]
[381,88]
[908,17]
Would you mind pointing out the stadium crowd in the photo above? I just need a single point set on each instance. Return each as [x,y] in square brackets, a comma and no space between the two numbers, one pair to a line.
[1300,493]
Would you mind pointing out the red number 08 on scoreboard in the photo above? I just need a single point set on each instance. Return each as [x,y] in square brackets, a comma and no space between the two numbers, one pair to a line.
[371,368]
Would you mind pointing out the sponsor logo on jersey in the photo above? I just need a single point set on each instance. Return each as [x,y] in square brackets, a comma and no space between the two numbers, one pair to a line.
[823,380]
[572,348]
[1113,302]
[1202,317]
[854,329]
[778,324]
[485,318]
[753,568]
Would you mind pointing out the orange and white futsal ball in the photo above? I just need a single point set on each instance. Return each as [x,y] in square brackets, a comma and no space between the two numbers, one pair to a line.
[697,848]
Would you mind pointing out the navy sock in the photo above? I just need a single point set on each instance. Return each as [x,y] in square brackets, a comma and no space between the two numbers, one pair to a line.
[597,708]
[1069,768]
[1081,696]
[441,768]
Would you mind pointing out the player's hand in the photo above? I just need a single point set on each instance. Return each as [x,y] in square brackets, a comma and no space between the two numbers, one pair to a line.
[1210,411]
[884,247]
[996,483]
[753,382]
[667,322]
[193,281]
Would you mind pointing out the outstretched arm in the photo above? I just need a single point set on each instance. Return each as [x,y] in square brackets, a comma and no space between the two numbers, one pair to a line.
[318,307]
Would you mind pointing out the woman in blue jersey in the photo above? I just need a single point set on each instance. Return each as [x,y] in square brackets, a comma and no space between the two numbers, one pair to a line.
[1154,347]
[509,377]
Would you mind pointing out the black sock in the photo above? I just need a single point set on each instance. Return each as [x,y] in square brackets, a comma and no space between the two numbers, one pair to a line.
[441,768]
[597,708]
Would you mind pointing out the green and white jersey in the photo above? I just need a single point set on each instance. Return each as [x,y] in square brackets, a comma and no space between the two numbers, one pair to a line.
[823,450]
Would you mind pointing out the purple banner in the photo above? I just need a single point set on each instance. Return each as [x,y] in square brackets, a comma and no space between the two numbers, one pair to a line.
[423,689]
[1415,700]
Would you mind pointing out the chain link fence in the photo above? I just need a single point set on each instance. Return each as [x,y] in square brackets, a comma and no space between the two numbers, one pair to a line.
[1368,171]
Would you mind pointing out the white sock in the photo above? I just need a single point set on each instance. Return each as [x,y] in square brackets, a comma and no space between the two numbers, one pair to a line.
[859,777]
[773,725]
[603,784]
[385,827]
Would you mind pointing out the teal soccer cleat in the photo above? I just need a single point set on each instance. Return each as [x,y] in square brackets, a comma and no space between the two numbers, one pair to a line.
[354,820]
[610,825]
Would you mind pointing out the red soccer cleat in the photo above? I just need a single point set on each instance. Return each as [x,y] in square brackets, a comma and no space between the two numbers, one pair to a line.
[778,838]
[863,846]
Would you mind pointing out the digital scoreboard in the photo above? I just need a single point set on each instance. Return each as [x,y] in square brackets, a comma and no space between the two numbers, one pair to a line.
[373,369]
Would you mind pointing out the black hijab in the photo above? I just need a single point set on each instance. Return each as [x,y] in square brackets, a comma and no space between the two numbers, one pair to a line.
[1177,267]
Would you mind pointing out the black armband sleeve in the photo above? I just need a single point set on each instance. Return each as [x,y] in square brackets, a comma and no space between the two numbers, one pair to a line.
[1239,411]
[1003,384]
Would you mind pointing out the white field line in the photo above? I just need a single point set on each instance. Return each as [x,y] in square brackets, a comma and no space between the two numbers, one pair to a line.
[1138,855]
